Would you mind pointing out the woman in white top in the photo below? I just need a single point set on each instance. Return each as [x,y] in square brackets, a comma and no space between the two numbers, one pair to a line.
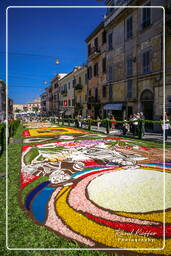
[165,126]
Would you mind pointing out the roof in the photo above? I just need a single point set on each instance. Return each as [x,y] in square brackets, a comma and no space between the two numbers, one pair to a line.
[95,31]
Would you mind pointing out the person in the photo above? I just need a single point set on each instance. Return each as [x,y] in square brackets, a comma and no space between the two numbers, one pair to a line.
[143,123]
[113,122]
[131,123]
[98,123]
[165,126]
[125,127]
[80,121]
[77,121]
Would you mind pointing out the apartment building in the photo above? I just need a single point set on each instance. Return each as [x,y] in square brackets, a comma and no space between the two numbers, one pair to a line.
[135,60]
[43,99]
[10,109]
[67,93]
[96,71]
[81,91]
[2,100]
[34,106]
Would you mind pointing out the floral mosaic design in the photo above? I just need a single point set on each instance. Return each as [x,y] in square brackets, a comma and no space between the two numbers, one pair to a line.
[50,131]
[99,193]
[90,135]
[36,125]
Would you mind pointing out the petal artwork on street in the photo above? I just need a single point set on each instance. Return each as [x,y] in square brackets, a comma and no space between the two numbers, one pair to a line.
[99,193]
[51,131]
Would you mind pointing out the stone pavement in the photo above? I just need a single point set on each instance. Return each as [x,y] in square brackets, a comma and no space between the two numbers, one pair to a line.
[158,137]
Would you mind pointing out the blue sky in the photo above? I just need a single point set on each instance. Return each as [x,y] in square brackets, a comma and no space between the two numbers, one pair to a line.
[37,36]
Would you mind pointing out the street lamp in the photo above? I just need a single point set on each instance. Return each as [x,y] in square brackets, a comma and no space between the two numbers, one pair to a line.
[57,62]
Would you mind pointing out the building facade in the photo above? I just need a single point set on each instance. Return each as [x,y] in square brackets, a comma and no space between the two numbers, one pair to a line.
[67,93]
[2,101]
[135,60]
[55,93]
[80,91]
[34,106]
[96,71]
[10,109]
[43,99]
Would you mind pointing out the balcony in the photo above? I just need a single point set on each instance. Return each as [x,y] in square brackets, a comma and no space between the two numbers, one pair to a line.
[64,93]
[93,53]
[78,87]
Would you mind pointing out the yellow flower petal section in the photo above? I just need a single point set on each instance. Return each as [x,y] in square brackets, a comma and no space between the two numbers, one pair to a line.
[53,131]
[102,234]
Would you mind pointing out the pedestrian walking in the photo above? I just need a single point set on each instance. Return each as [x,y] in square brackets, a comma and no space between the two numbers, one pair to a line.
[113,122]
[98,123]
[143,123]
[165,126]
[125,127]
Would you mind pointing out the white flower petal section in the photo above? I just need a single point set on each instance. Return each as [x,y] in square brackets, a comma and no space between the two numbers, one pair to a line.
[132,190]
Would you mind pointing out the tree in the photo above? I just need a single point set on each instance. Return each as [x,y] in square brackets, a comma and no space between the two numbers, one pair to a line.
[35,109]
[17,110]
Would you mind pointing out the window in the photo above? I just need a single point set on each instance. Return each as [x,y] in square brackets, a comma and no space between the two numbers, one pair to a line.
[110,73]
[146,62]
[146,16]
[79,80]
[110,41]
[89,49]
[73,102]
[129,89]
[89,72]
[129,27]
[129,67]
[104,65]
[104,91]
[86,78]
[56,85]
[96,44]
[110,92]
[104,37]
[89,92]
[96,94]
[73,83]
[69,102]
[96,69]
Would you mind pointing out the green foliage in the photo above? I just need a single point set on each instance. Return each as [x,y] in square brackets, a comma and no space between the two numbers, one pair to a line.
[55,149]
[31,186]
[31,155]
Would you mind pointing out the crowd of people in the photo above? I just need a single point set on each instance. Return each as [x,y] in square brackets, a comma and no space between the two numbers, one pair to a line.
[130,125]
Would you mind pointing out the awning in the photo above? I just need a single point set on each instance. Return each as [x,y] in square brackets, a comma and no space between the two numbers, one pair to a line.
[117,106]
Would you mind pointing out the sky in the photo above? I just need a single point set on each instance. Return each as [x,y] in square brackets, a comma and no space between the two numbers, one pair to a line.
[37,36]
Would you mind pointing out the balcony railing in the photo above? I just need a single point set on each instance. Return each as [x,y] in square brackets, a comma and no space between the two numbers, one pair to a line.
[78,87]
[64,92]
[94,52]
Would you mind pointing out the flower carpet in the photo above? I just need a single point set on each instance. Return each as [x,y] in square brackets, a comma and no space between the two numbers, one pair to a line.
[36,125]
[51,131]
[102,192]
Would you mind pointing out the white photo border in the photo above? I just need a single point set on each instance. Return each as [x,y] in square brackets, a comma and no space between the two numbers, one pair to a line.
[164,178]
